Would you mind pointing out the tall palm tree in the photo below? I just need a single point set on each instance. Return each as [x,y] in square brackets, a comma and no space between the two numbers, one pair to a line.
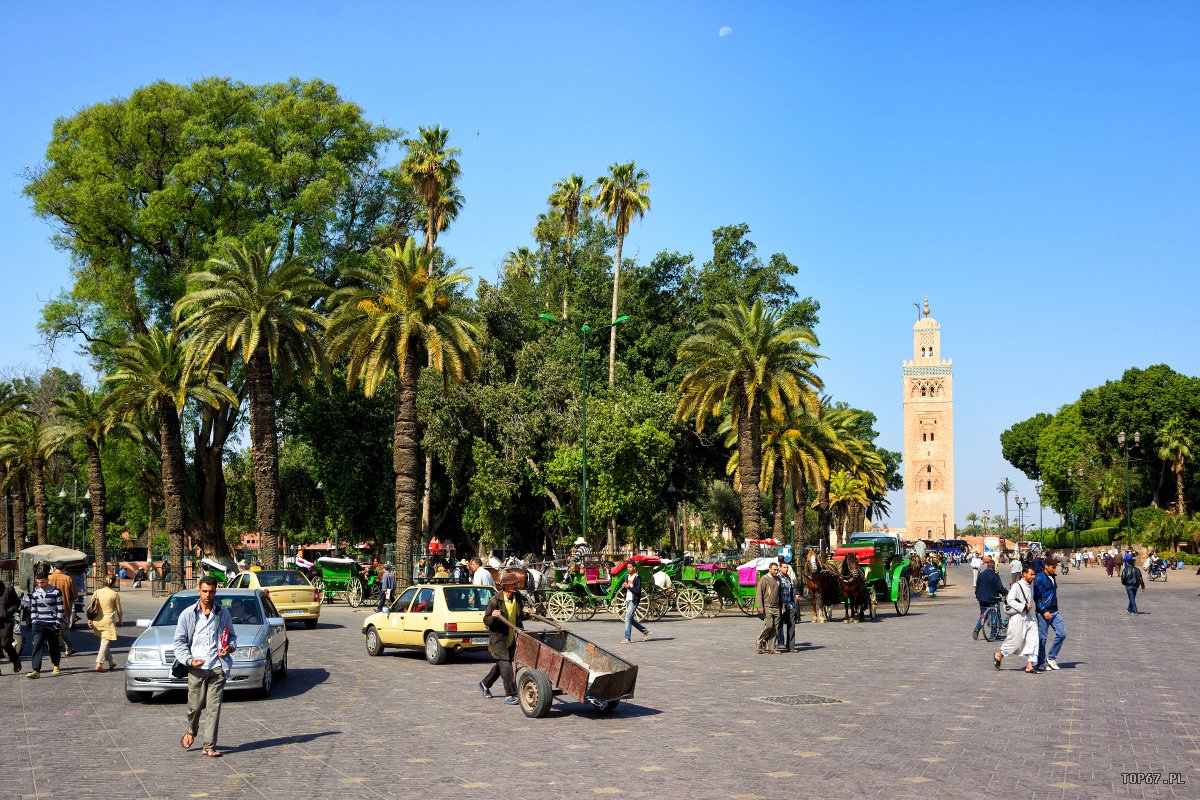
[972,519]
[11,403]
[391,311]
[622,195]
[248,302]
[432,168]
[1006,487]
[1175,446]
[23,445]
[568,199]
[83,416]
[152,373]
[845,492]
[740,362]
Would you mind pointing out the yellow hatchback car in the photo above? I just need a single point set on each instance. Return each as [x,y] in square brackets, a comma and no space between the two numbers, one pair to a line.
[296,599]
[439,618]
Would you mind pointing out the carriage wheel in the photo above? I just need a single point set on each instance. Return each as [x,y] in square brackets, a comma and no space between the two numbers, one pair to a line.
[916,585]
[871,603]
[642,612]
[319,585]
[748,605]
[659,606]
[585,609]
[561,606]
[354,593]
[690,603]
[903,598]
[713,606]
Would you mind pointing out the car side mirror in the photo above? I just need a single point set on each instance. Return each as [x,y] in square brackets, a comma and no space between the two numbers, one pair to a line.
[275,622]
[143,623]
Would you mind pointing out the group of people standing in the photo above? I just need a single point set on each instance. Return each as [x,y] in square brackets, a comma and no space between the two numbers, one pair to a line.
[777,594]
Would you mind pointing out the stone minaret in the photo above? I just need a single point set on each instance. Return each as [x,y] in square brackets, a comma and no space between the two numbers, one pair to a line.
[928,435]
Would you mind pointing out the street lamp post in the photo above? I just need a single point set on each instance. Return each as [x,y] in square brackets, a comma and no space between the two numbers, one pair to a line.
[1071,476]
[1137,440]
[62,493]
[584,332]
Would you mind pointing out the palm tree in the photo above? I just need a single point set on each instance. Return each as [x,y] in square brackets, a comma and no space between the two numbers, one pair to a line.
[152,373]
[1006,487]
[845,492]
[972,519]
[739,363]
[569,198]
[391,310]
[11,403]
[83,416]
[1175,446]
[432,168]
[23,445]
[248,302]
[621,195]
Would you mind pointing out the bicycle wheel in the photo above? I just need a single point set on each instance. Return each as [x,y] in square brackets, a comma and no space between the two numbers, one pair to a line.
[994,627]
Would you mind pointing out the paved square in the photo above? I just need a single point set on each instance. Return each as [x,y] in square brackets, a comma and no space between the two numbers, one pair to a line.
[922,715]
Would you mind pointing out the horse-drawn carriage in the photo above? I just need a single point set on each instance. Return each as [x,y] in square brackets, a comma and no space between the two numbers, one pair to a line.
[583,587]
[738,585]
[861,576]
[218,571]
[690,586]
[342,576]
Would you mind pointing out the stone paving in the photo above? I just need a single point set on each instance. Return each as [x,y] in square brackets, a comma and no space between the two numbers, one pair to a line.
[923,714]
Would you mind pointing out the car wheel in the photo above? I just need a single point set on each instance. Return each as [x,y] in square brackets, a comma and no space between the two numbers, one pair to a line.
[268,681]
[132,696]
[374,643]
[434,652]
[310,623]
[281,673]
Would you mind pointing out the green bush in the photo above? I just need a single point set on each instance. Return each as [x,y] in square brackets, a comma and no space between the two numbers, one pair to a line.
[1188,558]
[1142,517]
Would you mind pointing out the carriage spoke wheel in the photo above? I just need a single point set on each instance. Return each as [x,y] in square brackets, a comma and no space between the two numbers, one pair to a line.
[585,609]
[561,606]
[903,598]
[748,605]
[713,606]
[690,603]
[354,593]
[871,602]
[319,585]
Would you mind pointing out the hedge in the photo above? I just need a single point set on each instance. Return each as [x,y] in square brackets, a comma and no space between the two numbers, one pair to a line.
[1092,537]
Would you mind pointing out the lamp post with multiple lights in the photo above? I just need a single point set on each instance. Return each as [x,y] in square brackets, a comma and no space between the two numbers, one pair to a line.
[1127,446]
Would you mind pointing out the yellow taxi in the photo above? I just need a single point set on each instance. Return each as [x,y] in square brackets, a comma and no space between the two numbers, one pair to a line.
[294,596]
[439,618]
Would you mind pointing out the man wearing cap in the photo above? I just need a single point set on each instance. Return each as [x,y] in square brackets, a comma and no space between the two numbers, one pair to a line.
[1045,598]
[503,615]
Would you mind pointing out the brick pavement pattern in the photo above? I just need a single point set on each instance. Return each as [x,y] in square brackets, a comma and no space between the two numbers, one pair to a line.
[923,714]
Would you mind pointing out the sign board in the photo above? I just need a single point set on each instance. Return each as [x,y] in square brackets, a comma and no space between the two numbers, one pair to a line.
[991,545]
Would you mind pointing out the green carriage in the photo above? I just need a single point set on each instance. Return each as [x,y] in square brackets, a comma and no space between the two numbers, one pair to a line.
[582,588]
[693,588]
[886,571]
[738,585]
[217,571]
[342,576]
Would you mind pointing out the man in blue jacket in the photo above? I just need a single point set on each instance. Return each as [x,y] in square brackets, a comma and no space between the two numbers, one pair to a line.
[1045,598]
[989,589]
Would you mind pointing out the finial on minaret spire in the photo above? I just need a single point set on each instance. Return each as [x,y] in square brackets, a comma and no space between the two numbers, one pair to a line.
[927,305]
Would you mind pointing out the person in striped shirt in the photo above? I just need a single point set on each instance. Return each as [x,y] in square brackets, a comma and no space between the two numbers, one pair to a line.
[46,617]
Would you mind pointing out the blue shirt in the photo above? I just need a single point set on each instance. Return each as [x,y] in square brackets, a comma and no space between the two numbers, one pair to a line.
[199,636]
[1045,593]
[787,591]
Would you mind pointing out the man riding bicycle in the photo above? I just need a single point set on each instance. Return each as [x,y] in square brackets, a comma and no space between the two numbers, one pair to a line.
[989,590]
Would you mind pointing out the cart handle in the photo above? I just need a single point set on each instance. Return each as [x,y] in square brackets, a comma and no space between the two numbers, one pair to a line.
[532,615]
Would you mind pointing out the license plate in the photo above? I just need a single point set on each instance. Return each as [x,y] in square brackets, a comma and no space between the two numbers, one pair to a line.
[292,612]
[479,640]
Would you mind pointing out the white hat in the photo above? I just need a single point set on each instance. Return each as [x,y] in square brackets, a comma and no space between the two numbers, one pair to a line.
[581,540]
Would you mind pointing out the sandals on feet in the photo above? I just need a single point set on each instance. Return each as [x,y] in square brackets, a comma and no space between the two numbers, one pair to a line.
[186,740]
[212,753]
[996,660]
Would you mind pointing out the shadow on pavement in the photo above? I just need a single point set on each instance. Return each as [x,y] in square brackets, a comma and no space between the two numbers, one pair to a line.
[299,680]
[278,741]
[624,711]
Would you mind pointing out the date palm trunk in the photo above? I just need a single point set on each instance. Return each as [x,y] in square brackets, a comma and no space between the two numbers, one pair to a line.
[264,455]
[173,483]
[40,510]
[96,489]
[20,516]
[1179,488]
[778,502]
[612,332]
[405,455]
[800,513]
[749,469]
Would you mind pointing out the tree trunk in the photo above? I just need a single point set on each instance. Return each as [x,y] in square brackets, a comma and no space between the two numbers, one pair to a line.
[209,442]
[20,516]
[612,332]
[10,545]
[264,455]
[428,489]
[749,469]
[1178,489]
[96,489]
[1006,513]
[800,506]
[174,480]
[404,464]
[778,502]
[823,515]
[40,510]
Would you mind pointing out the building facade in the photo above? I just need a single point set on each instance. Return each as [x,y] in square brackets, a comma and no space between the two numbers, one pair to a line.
[928,435]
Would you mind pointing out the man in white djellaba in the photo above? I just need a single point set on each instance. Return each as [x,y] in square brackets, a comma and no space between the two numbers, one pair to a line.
[1022,624]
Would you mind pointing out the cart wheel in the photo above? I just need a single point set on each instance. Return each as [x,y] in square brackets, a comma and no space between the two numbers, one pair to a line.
[713,606]
[374,643]
[561,606]
[690,603]
[747,605]
[585,610]
[643,611]
[354,593]
[616,606]
[534,692]
[871,603]
[319,585]
[434,652]
[903,598]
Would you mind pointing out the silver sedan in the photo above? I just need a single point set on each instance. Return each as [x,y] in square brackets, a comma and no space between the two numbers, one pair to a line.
[260,658]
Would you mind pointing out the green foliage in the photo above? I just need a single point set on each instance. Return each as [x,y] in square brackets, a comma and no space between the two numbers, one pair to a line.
[1019,444]
[1145,516]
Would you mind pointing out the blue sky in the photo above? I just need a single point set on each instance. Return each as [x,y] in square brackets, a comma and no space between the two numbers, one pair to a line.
[1033,168]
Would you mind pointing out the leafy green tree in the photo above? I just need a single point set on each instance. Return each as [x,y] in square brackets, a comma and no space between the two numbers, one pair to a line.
[24,446]
[380,323]
[262,309]
[1175,447]
[621,196]
[568,200]
[845,491]
[152,374]
[1019,444]
[738,363]
[12,402]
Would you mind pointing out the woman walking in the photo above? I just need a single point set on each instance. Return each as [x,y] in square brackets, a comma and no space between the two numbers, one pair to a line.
[1022,623]
[111,618]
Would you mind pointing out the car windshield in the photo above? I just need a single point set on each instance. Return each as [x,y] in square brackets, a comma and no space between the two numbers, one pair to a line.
[244,610]
[468,598]
[282,578]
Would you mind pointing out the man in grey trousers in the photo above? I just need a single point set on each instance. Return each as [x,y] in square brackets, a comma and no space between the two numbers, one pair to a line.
[767,598]
[204,640]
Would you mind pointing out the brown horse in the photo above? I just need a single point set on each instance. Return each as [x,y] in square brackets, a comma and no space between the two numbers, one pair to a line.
[822,584]
[854,589]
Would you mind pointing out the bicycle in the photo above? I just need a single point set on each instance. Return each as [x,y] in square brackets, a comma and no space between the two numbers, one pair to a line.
[995,622]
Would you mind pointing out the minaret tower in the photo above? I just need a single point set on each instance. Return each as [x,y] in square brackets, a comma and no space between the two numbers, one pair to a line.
[928,435]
